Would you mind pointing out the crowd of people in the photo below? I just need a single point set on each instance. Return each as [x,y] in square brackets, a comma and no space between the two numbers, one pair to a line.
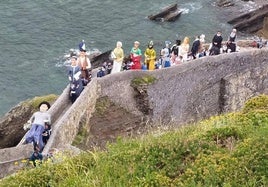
[169,55]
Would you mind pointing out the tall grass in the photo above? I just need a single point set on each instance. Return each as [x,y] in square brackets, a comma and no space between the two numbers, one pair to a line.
[226,150]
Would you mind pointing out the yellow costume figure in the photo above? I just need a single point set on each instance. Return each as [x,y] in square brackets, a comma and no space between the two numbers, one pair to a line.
[150,56]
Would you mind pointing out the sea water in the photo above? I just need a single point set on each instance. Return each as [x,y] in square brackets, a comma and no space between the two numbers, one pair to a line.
[34,36]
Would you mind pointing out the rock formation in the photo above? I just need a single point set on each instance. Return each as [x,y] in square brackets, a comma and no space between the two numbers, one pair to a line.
[251,22]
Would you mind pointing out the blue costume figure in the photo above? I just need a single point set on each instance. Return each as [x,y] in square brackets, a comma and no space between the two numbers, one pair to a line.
[76,83]
[165,54]
[38,121]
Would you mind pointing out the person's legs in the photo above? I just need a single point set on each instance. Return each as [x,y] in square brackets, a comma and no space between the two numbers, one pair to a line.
[38,133]
[30,134]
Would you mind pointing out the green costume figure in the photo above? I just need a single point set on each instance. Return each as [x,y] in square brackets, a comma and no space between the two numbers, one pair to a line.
[135,55]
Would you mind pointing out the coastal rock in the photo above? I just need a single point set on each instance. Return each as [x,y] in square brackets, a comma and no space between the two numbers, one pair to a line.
[11,125]
[264,31]
[251,22]
[225,3]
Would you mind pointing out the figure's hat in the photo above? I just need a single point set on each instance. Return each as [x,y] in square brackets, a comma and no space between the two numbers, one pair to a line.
[82,46]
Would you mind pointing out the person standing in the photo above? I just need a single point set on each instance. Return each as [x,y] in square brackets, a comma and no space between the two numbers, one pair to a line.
[184,49]
[74,71]
[165,54]
[175,52]
[85,65]
[196,47]
[118,57]
[38,121]
[135,56]
[216,44]
[231,45]
[150,56]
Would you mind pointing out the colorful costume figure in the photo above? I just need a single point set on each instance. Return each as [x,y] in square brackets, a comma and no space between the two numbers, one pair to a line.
[38,121]
[165,55]
[175,53]
[150,56]
[85,65]
[76,83]
[118,54]
[135,55]
[74,71]
[184,50]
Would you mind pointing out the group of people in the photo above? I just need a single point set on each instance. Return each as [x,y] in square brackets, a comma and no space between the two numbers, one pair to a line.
[170,55]
[79,72]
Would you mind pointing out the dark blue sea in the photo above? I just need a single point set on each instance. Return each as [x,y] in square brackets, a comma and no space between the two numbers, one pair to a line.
[35,35]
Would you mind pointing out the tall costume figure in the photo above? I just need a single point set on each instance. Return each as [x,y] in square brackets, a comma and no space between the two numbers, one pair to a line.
[118,57]
[165,55]
[231,45]
[150,56]
[216,44]
[135,55]
[84,63]
[38,121]
[76,83]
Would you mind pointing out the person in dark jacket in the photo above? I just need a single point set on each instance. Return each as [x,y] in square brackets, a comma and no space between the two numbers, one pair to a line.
[196,47]
[216,44]
[36,156]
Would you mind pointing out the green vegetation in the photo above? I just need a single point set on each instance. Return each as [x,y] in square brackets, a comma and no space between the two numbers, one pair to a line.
[145,80]
[227,150]
[51,98]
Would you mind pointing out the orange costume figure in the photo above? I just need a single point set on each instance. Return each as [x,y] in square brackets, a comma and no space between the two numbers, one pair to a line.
[135,55]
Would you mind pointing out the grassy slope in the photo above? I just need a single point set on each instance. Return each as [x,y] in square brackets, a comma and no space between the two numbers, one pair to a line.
[227,150]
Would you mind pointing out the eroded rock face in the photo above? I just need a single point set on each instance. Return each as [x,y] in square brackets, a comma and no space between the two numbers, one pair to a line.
[225,3]
[264,31]
[250,22]
[11,125]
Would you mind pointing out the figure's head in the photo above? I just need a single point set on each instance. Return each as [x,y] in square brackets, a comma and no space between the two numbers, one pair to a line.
[73,60]
[178,42]
[151,44]
[136,44]
[219,33]
[186,40]
[119,44]
[202,38]
[167,43]
[44,106]
[234,30]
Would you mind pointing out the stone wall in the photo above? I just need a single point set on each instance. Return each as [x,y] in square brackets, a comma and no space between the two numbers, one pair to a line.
[68,125]
[193,91]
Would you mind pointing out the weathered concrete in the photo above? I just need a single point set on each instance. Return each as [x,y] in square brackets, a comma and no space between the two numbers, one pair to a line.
[11,159]
[67,127]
